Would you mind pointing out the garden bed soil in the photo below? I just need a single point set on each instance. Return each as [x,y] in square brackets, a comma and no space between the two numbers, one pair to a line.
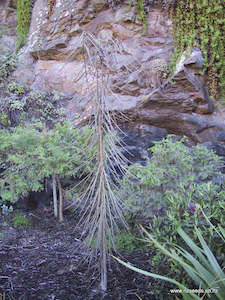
[44,261]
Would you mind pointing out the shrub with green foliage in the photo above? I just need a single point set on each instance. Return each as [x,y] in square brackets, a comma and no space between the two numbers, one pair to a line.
[173,171]
[15,88]
[20,220]
[20,104]
[7,64]
[124,242]
[44,107]
[174,189]
[29,154]
[20,156]
[128,242]
[65,150]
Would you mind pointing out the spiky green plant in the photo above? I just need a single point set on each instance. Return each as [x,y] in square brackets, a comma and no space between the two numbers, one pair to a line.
[200,264]
[103,209]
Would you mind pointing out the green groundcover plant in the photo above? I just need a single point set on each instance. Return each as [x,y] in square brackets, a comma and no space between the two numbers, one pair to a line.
[20,220]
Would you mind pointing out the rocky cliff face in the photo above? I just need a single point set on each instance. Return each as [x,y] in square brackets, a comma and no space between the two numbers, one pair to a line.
[53,60]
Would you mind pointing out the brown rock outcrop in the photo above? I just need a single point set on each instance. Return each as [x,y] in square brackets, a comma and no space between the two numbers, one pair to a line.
[55,62]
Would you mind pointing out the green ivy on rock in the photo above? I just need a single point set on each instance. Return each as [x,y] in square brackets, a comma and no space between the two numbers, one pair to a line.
[201,23]
[23,20]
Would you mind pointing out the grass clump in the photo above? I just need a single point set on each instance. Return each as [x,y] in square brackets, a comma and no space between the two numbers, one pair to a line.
[128,242]
[21,220]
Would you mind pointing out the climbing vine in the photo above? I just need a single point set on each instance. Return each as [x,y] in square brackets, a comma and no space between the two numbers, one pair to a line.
[201,23]
[141,14]
[23,20]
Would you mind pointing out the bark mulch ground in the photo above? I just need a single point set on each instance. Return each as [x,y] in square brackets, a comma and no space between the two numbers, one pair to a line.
[43,261]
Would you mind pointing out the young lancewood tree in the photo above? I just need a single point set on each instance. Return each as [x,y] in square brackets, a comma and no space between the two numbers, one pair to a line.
[103,209]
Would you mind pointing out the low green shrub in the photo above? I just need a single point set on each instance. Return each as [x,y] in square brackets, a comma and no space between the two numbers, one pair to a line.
[15,88]
[20,220]
[124,242]
[7,64]
[20,105]
[29,154]
[174,189]
[4,119]
[173,169]
[128,242]
[43,107]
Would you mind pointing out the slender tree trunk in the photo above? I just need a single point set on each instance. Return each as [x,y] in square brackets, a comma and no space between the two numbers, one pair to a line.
[103,260]
[54,195]
[101,195]
[60,199]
